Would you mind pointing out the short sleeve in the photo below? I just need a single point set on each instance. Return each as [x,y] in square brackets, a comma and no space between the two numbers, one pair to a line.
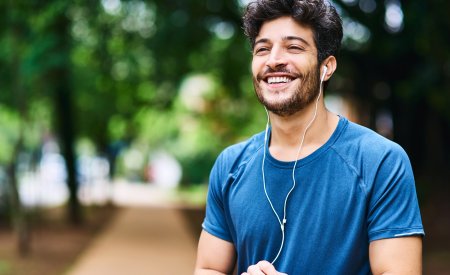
[215,221]
[393,205]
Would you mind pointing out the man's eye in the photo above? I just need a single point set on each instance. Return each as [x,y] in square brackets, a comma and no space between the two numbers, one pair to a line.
[260,51]
[295,48]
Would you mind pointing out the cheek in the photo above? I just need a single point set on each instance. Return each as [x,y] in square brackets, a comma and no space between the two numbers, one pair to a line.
[257,66]
[254,70]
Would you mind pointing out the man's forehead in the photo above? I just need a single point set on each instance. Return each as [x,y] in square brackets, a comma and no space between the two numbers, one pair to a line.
[285,28]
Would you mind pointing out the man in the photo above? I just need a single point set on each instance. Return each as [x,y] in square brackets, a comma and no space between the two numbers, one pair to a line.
[314,193]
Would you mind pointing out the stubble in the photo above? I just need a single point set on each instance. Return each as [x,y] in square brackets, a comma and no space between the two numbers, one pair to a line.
[304,93]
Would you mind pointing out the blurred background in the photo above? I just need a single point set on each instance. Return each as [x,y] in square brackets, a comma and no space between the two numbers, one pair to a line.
[112,105]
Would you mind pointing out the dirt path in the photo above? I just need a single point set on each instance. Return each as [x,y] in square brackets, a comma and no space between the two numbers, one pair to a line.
[140,241]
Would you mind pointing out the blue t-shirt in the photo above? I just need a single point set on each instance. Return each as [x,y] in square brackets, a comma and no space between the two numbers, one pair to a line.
[356,188]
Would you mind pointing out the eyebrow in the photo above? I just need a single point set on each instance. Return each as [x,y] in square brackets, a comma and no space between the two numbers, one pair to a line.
[285,38]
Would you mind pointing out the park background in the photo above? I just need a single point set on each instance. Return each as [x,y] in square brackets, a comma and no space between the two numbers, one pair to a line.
[96,95]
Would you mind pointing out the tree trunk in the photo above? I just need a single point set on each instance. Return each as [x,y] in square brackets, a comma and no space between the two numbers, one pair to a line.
[66,132]
[18,214]
[60,76]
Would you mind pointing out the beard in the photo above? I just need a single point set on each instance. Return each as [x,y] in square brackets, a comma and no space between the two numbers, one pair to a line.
[304,93]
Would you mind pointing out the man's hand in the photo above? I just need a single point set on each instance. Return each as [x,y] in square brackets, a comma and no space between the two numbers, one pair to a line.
[262,268]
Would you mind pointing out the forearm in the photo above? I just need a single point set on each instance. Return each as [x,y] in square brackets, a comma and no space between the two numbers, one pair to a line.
[204,271]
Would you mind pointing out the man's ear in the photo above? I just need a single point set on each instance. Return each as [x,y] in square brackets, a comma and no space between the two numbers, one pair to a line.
[331,64]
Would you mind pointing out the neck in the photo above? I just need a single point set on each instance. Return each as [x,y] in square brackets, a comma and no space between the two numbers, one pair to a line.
[287,132]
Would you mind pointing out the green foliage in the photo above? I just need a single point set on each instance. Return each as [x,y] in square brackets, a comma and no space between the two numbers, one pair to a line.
[413,61]
[8,133]
[130,62]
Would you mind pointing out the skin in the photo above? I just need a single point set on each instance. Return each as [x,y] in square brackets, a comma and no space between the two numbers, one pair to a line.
[292,50]
[214,256]
[285,48]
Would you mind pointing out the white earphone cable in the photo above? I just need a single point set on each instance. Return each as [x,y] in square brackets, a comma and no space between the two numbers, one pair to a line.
[283,222]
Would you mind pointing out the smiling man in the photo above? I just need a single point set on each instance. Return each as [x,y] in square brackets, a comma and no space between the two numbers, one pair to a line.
[314,193]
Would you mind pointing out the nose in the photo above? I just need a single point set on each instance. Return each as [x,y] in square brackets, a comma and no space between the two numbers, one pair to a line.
[276,58]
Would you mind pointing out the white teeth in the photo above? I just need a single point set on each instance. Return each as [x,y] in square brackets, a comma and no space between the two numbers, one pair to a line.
[282,79]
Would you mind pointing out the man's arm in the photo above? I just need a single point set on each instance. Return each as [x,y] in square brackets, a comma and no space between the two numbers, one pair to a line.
[396,256]
[214,255]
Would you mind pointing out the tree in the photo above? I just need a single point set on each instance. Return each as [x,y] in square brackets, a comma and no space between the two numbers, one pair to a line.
[175,74]
[401,69]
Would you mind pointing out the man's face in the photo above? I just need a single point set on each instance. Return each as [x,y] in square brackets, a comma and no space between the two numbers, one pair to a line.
[284,66]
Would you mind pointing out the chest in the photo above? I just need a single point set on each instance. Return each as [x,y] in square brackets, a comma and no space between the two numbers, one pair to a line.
[319,201]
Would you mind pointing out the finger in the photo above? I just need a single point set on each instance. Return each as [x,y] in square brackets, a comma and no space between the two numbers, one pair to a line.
[267,268]
[254,270]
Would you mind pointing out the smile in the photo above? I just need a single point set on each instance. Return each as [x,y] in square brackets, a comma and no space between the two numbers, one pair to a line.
[278,79]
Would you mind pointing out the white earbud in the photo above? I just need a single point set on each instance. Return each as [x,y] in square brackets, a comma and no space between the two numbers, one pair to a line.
[325,69]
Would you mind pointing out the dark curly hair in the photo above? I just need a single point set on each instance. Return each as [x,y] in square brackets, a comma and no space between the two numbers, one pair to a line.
[319,15]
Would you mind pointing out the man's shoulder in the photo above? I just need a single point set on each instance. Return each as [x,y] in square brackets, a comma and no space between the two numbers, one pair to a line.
[233,156]
[365,138]
[361,145]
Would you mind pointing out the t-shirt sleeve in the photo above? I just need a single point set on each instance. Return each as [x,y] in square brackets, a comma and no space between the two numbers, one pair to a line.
[393,205]
[215,221]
